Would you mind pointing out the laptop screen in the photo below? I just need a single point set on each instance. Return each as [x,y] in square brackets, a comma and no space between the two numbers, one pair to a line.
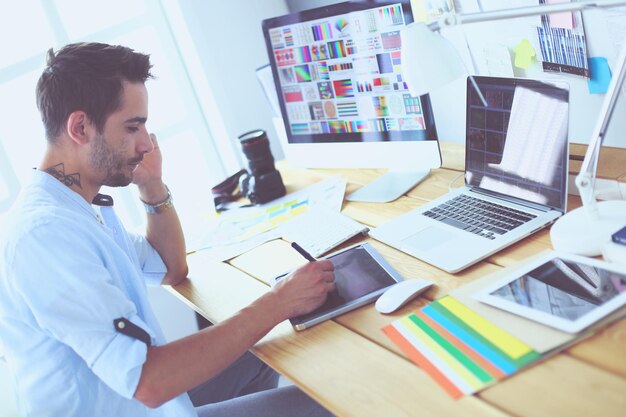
[517,144]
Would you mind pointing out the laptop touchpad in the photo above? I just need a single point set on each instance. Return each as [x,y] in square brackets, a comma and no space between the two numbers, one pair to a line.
[428,238]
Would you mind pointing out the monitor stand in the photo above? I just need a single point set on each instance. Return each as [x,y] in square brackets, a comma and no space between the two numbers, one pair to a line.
[388,187]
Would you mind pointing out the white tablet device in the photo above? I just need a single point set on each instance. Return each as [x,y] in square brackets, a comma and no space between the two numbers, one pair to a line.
[566,292]
[361,275]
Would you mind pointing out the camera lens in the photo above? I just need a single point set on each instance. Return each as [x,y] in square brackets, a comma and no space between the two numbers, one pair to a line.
[256,148]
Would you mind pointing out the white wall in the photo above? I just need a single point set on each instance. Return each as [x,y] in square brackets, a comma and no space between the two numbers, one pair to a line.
[449,102]
[230,43]
[221,42]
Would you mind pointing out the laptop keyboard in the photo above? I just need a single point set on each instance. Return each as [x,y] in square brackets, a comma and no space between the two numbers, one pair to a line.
[480,217]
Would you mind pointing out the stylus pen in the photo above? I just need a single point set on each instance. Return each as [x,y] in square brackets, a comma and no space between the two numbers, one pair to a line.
[302,252]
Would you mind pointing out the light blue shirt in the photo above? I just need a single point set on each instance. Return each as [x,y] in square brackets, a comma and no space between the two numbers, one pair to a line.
[67,270]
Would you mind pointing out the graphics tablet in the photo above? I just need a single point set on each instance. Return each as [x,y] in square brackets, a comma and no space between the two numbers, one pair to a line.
[566,292]
[361,275]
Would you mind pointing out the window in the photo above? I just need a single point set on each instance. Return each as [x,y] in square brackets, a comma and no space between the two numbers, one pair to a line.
[192,160]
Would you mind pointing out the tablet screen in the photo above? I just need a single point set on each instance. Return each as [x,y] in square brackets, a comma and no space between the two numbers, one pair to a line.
[360,274]
[563,288]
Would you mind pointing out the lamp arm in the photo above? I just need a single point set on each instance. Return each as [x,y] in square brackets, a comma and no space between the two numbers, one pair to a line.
[585,180]
[454,19]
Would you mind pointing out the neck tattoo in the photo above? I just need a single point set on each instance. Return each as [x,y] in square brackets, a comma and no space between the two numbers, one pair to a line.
[58,172]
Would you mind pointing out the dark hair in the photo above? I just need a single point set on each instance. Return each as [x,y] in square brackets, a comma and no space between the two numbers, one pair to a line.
[87,77]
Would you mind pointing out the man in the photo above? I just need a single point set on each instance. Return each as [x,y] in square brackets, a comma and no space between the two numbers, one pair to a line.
[77,327]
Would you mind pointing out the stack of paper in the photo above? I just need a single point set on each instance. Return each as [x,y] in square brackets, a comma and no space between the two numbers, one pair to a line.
[236,231]
[459,348]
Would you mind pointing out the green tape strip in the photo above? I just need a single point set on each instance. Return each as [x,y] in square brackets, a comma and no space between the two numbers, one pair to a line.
[461,357]
[518,363]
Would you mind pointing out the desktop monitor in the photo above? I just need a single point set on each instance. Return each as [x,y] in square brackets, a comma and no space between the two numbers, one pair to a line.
[344,103]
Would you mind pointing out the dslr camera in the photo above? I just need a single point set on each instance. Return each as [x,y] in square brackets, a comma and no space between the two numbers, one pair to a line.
[263,182]
[260,182]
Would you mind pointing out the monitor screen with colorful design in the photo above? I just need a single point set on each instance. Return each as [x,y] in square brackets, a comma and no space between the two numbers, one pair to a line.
[338,75]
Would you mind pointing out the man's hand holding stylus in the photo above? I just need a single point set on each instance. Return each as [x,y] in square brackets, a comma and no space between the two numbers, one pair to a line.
[305,289]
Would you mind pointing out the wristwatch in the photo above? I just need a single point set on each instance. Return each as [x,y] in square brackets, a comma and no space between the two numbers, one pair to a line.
[160,207]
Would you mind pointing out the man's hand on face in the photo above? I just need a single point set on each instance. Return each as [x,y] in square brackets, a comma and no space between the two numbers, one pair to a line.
[149,169]
[148,174]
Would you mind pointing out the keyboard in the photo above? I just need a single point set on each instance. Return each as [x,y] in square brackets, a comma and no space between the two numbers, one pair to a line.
[319,230]
[477,216]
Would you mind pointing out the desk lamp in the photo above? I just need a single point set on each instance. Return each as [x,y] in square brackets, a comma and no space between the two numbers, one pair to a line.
[430,61]
[587,229]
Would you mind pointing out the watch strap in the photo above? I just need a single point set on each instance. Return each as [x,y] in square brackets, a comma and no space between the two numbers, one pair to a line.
[161,206]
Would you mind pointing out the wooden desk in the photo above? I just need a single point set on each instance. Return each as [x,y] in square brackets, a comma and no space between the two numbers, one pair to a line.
[350,367]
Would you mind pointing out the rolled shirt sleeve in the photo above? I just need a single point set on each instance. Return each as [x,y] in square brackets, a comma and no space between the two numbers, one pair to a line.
[150,261]
[73,296]
[122,350]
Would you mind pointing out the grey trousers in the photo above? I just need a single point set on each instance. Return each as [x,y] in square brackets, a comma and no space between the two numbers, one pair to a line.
[248,388]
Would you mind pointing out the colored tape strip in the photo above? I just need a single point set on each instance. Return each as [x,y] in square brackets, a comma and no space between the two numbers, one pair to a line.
[457,354]
[504,340]
[408,329]
[421,361]
[484,348]
[518,363]
[493,370]
[459,383]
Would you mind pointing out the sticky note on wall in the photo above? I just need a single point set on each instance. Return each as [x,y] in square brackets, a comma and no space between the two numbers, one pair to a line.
[600,75]
[524,54]
[563,20]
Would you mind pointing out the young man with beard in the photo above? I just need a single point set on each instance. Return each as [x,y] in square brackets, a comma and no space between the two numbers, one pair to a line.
[75,321]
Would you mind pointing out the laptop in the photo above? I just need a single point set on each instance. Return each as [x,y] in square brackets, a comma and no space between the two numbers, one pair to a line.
[516,160]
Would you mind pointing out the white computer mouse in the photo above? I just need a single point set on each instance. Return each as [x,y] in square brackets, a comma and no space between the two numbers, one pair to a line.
[399,294]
